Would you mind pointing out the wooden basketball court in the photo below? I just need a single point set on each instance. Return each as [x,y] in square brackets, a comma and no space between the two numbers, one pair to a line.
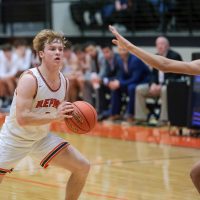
[128,163]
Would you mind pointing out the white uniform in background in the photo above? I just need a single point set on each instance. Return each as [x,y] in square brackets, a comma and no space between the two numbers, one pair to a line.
[18,141]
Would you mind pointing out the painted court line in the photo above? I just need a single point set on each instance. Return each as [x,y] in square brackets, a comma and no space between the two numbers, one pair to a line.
[62,186]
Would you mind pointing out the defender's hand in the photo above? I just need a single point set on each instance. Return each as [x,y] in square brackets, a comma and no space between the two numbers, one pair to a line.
[120,41]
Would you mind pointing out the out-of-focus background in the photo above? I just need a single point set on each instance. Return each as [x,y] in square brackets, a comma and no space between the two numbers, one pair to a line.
[148,121]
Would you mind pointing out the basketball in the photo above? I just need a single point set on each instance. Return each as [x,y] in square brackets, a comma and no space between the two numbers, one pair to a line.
[84,118]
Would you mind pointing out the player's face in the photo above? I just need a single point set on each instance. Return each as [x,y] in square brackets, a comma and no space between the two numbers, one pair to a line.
[53,53]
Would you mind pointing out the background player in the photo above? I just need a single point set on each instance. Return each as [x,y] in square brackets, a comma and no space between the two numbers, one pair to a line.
[165,65]
[39,99]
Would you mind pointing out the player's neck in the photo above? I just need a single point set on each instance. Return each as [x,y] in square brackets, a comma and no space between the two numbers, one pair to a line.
[51,75]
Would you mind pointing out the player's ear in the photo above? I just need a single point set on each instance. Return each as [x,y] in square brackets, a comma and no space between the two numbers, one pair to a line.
[41,54]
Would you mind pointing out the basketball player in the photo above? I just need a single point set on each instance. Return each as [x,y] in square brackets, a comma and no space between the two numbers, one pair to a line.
[39,99]
[165,65]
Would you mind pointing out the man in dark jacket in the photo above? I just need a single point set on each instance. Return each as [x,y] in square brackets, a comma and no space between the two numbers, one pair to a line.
[157,86]
[132,72]
[112,72]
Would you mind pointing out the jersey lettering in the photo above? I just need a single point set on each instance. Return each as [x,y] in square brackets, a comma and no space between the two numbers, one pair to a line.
[48,103]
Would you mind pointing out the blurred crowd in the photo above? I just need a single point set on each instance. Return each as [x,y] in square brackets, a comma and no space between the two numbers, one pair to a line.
[14,59]
[125,14]
[114,81]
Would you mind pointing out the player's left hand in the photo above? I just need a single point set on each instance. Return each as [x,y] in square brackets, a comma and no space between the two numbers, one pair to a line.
[65,110]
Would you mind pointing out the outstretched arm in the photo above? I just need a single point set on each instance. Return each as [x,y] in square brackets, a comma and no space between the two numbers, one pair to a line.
[156,61]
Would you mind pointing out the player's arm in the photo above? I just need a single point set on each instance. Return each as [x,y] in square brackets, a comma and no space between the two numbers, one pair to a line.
[67,89]
[156,61]
[26,91]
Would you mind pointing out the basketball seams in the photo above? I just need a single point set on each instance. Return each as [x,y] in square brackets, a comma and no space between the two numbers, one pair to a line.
[69,120]
[95,116]
[82,122]
[83,115]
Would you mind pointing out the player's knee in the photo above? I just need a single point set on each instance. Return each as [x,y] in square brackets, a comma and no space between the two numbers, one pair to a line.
[85,166]
[195,173]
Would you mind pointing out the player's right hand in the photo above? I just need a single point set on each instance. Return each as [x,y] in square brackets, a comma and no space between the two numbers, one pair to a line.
[65,110]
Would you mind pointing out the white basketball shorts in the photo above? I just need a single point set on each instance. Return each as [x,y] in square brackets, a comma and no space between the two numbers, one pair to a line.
[44,150]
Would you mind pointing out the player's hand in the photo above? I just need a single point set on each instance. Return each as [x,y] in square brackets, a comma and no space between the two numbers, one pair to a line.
[120,41]
[65,110]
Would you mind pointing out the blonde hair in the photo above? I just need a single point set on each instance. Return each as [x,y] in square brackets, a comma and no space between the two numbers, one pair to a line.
[47,36]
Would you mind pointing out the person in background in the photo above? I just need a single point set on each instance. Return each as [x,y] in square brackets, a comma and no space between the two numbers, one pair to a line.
[112,72]
[83,64]
[23,55]
[71,71]
[132,72]
[157,87]
[166,65]
[98,70]
[8,71]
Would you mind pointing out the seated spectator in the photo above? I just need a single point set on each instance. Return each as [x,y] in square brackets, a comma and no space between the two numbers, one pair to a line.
[157,86]
[23,55]
[35,60]
[165,10]
[87,13]
[132,72]
[119,12]
[112,71]
[8,71]
[84,68]
[70,70]
[95,77]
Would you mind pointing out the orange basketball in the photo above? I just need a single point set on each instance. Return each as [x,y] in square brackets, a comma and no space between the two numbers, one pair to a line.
[84,118]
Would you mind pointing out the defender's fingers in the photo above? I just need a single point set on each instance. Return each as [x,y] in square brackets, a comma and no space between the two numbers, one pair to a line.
[114,31]
[114,41]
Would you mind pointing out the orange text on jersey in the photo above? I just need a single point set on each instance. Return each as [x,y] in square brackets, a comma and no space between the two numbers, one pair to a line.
[48,103]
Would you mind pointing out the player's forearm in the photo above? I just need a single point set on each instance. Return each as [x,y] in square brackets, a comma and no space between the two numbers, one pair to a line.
[33,119]
[155,61]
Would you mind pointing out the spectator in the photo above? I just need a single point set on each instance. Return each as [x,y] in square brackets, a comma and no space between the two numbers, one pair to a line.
[157,86]
[112,71]
[71,71]
[95,76]
[119,12]
[83,62]
[87,13]
[165,10]
[23,55]
[8,71]
[132,72]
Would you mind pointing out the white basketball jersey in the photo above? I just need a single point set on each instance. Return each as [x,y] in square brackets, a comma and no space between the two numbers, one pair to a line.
[46,101]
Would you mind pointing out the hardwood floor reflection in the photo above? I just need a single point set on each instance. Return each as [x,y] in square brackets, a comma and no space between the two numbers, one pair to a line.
[121,170]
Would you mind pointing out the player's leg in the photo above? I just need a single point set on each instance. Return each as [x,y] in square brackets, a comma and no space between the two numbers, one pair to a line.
[195,175]
[1,178]
[72,160]
[55,151]
[10,154]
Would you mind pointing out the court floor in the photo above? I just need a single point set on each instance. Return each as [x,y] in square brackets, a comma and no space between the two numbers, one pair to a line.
[128,163]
